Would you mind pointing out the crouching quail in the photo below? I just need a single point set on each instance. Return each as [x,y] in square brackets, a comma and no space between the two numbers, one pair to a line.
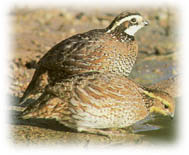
[93,102]
[112,49]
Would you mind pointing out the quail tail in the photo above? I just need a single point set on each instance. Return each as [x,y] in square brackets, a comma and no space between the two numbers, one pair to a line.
[33,87]
[31,109]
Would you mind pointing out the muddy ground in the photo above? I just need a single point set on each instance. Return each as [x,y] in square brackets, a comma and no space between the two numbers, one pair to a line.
[35,31]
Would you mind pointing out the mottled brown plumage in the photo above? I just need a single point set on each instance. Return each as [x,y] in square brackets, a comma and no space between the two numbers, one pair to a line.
[112,49]
[95,101]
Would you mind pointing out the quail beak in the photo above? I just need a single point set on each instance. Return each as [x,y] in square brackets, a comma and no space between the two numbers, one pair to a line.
[171,115]
[146,23]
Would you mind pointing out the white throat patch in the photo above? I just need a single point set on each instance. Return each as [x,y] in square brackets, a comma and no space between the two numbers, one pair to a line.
[133,29]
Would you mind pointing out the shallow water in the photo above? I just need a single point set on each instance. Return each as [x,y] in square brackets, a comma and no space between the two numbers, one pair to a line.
[149,71]
[153,70]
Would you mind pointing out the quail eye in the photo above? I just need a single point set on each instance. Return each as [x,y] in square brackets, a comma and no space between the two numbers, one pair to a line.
[133,20]
[166,107]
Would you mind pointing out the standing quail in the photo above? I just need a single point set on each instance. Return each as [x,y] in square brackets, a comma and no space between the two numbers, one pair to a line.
[94,101]
[113,49]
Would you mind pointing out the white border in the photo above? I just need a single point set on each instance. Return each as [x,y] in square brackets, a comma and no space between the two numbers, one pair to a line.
[180,146]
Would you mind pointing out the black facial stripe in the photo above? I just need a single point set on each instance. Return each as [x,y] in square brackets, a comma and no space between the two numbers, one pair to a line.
[136,23]
[120,17]
[126,14]
[131,24]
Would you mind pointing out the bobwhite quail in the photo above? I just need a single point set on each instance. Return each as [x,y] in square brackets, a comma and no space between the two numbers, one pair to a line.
[93,101]
[113,49]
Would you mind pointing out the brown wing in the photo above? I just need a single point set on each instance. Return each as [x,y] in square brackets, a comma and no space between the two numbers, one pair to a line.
[74,53]
[71,56]
[90,51]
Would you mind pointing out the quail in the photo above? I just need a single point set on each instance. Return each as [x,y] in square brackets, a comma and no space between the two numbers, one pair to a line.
[94,102]
[111,50]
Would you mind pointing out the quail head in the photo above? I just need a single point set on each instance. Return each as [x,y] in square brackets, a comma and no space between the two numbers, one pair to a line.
[112,50]
[93,102]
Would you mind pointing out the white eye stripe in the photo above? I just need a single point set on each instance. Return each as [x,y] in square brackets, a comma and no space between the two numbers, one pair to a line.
[124,20]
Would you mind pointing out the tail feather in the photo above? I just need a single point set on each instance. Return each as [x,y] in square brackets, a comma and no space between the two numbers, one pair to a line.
[33,87]
[32,110]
